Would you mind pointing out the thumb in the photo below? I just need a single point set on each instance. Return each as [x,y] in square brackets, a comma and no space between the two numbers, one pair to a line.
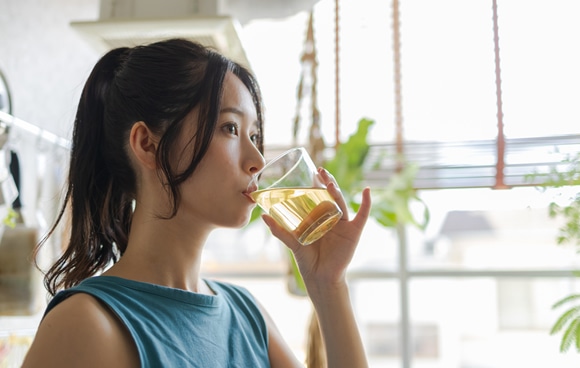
[365,209]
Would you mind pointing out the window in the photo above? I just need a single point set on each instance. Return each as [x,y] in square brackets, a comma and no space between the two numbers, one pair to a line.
[475,288]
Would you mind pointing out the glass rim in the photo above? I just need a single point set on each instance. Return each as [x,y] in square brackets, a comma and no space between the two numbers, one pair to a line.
[279,156]
[304,155]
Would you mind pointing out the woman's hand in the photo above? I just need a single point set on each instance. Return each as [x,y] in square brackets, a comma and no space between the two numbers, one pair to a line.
[323,263]
[323,267]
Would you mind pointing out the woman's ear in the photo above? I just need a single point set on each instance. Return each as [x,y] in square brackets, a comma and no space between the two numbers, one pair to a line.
[144,145]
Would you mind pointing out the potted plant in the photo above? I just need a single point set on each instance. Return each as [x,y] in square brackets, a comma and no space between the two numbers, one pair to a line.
[391,203]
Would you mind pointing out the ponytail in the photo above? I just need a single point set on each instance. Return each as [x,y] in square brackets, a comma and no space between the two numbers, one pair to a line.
[91,195]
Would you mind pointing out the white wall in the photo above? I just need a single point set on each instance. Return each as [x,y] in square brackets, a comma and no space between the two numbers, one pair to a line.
[44,60]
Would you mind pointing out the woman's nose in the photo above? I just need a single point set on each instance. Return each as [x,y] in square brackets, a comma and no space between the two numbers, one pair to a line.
[256,162]
[259,165]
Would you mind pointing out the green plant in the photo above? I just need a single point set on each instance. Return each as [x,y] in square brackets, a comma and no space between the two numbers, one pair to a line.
[569,323]
[569,233]
[391,204]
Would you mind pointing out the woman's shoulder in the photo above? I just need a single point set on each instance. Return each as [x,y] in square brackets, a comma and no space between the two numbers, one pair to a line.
[233,292]
[81,331]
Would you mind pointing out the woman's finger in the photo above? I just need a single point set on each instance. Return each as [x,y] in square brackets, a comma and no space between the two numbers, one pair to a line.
[336,194]
[334,190]
[279,232]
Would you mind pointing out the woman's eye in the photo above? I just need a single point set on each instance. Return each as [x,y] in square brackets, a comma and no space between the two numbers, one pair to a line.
[255,138]
[232,129]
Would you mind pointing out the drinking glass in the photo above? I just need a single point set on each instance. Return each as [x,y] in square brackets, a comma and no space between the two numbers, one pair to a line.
[289,189]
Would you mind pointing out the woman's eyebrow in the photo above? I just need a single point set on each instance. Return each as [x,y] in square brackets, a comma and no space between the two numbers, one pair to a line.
[233,110]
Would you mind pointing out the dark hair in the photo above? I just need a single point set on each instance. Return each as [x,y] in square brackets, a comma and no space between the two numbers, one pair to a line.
[158,84]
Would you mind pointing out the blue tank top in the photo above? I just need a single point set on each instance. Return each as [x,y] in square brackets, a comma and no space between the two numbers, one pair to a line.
[178,328]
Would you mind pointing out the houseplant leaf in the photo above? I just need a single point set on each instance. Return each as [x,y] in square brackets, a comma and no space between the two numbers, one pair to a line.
[347,164]
[564,318]
[565,300]
[569,335]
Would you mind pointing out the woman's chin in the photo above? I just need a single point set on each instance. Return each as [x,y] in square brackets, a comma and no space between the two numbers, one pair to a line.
[240,223]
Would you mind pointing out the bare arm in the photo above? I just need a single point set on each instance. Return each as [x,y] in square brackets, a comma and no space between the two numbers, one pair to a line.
[342,341]
[323,266]
[80,332]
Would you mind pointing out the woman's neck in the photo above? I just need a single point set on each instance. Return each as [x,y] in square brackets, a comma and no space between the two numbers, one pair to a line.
[161,252]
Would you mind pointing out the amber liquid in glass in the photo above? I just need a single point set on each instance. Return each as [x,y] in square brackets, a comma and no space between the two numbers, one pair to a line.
[307,212]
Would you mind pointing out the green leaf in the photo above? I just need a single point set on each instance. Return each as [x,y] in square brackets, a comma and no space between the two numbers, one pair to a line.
[564,318]
[426,214]
[384,217]
[347,164]
[10,219]
[569,335]
[577,338]
[566,300]
[256,214]
[392,204]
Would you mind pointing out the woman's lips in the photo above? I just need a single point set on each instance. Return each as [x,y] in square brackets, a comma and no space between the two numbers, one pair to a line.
[252,188]
[247,194]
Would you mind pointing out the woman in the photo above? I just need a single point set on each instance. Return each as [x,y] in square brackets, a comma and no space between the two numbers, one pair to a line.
[165,141]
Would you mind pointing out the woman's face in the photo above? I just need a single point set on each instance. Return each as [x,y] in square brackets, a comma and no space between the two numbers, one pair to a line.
[215,193]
